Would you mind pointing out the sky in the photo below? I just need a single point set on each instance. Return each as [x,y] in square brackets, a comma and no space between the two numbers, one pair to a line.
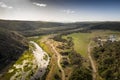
[60,10]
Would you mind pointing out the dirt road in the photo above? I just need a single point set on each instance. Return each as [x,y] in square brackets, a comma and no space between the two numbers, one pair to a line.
[58,61]
[92,61]
[56,55]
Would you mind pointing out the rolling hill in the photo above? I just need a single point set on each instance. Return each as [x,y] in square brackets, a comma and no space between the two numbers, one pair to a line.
[12,45]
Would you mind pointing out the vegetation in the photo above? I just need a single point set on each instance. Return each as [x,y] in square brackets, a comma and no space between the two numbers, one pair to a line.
[108,57]
[53,64]
[25,59]
[56,77]
[107,26]
[12,45]
[77,62]
[37,28]
[81,41]
[81,73]
[73,47]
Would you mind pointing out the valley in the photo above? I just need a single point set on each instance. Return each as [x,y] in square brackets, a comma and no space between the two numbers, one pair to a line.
[64,53]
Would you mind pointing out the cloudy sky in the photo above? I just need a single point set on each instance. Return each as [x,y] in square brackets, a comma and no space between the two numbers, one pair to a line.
[60,10]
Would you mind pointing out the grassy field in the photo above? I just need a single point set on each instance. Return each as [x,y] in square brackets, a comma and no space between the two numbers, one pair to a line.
[81,40]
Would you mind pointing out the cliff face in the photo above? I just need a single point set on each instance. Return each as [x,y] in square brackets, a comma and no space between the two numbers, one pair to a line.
[12,45]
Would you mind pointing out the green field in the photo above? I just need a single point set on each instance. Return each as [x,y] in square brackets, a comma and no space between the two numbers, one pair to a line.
[81,40]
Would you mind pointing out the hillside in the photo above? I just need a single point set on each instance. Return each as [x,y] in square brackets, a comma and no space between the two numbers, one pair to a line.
[12,45]
[34,28]
[106,26]
[37,28]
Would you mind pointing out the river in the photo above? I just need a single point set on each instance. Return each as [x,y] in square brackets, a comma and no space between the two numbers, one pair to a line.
[42,59]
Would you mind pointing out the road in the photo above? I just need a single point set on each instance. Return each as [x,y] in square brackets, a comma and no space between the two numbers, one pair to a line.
[92,61]
[56,54]
[58,61]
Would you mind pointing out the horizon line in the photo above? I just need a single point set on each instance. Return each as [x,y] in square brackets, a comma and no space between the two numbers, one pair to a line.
[60,21]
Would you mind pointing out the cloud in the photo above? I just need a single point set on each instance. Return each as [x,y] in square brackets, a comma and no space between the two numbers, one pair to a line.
[40,4]
[68,11]
[3,5]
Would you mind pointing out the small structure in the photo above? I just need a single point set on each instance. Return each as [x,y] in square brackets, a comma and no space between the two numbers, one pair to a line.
[112,38]
[101,40]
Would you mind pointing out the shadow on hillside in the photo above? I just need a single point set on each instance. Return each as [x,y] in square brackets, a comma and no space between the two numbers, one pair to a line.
[8,58]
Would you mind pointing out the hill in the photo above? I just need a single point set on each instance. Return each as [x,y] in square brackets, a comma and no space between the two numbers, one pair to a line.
[12,45]
[106,26]
[36,28]
[33,28]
